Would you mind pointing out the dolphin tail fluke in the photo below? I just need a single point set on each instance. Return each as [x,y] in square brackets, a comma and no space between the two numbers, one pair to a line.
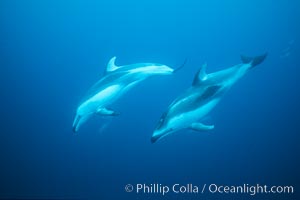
[253,60]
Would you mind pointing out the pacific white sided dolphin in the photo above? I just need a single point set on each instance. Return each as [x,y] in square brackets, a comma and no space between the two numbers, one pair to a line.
[207,90]
[116,82]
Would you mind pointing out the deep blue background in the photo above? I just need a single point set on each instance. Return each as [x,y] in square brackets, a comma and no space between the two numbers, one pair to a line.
[51,52]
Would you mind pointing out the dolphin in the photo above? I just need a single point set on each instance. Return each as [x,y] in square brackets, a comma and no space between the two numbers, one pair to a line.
[205,93]
[116,82]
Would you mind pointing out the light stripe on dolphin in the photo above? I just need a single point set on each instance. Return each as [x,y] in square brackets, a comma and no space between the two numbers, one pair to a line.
[207,90]
[116,82]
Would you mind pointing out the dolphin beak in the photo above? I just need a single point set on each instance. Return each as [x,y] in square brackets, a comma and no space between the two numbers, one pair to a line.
[167,70]
[171,70]
[154,138]
[78,121]
[158,134]
[75,123]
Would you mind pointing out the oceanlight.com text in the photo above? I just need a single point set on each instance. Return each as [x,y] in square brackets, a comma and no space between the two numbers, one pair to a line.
[248,189]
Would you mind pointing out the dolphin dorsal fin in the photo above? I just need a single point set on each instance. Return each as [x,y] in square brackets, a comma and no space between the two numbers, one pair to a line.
[111,66]
[201,75]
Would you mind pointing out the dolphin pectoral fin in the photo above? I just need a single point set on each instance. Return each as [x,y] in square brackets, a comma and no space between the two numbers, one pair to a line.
[201,127]
[105,111]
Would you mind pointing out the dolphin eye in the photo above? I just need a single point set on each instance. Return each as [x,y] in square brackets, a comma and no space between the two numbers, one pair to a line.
[161,120]
[160,123]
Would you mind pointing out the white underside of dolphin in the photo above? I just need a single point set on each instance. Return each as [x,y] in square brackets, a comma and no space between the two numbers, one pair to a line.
[115,83]
[190,108]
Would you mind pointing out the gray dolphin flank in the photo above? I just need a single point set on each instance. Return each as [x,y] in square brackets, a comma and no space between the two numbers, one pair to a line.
[116,82]
[207,90]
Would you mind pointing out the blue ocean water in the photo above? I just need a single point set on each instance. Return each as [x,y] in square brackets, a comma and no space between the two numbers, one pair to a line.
[51,52]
